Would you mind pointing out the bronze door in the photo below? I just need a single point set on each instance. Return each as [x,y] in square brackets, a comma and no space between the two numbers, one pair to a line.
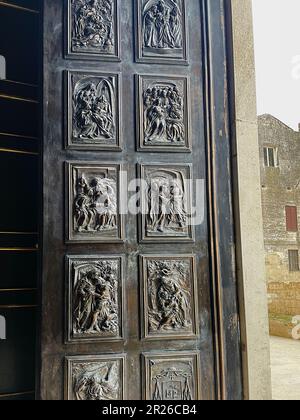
[130,295]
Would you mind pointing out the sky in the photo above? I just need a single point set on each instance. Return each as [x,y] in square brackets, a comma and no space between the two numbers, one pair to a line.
[277,55]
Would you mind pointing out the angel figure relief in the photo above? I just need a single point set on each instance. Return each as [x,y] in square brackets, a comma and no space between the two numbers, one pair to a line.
[96,381]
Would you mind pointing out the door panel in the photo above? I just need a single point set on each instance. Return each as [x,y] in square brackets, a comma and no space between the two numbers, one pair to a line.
[136,316]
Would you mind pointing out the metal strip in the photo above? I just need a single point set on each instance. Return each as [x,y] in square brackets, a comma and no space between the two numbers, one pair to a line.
[17,394]
[18,136]
[15,82]
[18,233]
[18,306]
[18,290]
[18,152]
[17,98]
[22,9]
[18,249]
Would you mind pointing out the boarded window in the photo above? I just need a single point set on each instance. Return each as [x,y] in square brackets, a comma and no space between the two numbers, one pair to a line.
[294,260]
[291,218]
[271,157]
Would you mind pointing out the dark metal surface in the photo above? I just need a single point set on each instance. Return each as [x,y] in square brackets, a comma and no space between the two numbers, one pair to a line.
[210,358]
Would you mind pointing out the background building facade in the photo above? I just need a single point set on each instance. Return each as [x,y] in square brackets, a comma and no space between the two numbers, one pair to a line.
[280,175]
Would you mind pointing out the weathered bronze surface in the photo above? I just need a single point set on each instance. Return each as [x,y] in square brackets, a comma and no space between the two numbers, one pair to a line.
[137,306]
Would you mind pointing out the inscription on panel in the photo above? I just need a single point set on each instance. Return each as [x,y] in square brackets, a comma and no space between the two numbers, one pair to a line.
[163,113]
[169,297]
[94,203]
[95,378]
[172,377]
[166,203]
[93,111]
[93,29]
[94,298]
[162,31]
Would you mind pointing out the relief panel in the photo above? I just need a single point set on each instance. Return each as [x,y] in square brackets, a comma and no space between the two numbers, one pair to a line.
[93,104]
[93,29]
[94,299]
[95,378]
[172,376]
[166,203]
[162,31]
[169,298]
[163,113]
[93,203]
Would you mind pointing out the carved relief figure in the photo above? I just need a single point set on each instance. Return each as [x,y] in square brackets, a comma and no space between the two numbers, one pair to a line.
[164,114]
[96,381]
[162,25]
[94,109]
[172,377]
[93,26]
[170,296]
[94,195]
[167,202]
[95,298]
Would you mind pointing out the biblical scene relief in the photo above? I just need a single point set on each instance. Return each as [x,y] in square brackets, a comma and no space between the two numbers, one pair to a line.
[169,297]
[93,28]
[95,111]
[163,27]
[172,378]
[95,200]
[164,113]
[166,204]
[95,380]
[95,298]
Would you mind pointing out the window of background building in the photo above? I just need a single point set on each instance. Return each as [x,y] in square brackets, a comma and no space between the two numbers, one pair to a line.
[291,218]
[294,260]
[271,157]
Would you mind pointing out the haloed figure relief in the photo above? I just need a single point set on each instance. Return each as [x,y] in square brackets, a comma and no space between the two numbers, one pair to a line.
[172,377]
[163,28]
[166,202]
[169,297]
[95,379]
[95,298]
[93,118]
[165,113]
[93,27]
[94,203]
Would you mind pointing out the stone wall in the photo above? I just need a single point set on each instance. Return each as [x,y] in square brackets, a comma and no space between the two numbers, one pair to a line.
[280,188]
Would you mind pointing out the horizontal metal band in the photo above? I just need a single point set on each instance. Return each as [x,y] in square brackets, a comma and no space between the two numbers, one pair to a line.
[17,394]
[18,290]
[18,233]
[19,249]
[22,9]
[18,306]
[18,136]
[17,98]
[15,82]
[18,152]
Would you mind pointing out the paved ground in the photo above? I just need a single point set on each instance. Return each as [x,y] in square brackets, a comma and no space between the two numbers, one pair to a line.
[285,361]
